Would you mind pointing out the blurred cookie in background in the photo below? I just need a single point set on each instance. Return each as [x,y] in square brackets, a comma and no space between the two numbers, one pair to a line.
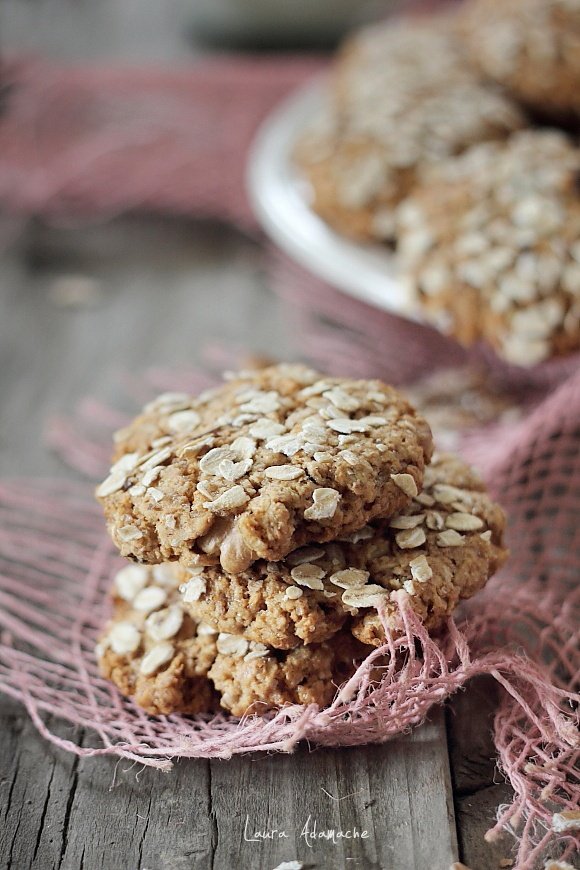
[459,399]
[531,47]
[490,246]
[402,97]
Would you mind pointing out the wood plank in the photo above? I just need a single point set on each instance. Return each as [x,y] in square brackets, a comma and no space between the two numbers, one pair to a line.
[140,818]
[36,784]
[166,287]
[397,793]
[478,786]
[68,813]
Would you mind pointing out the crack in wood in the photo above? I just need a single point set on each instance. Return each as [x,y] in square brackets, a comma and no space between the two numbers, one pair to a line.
[8,807]
[43,815]
[212,816]
[144,833]
[68,809]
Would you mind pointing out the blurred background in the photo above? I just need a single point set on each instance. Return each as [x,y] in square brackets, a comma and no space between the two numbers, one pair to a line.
[131,262]
[133,30]
[126,238]
[124,132]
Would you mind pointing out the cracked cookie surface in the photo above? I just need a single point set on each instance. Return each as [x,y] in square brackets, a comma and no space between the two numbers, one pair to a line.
[156,654]
[264,679]
[268,462]
[265,604]
[443,547]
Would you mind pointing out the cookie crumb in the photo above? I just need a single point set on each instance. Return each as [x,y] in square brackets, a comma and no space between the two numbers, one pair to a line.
[566,820]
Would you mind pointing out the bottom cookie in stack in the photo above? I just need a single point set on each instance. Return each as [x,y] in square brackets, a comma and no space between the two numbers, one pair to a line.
[291,632]
[155,653]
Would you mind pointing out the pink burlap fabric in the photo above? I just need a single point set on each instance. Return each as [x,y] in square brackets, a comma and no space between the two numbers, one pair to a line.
[89,142]
[83,144]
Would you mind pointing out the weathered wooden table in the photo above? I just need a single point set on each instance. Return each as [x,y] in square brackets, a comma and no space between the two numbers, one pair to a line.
[165,287]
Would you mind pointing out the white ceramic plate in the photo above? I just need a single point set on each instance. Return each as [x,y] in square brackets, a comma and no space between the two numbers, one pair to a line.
[280,200]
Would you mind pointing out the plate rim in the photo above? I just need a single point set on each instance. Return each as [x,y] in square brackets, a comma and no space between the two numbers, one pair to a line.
[364,271]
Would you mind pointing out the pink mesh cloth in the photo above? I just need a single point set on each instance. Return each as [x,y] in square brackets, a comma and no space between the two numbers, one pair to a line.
[92,154]
[56,564]
[86,142]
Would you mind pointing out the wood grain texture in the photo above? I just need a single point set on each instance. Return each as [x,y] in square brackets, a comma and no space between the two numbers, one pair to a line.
[478,786]
[166,289]
[37,787]
[398,794]
[59,812]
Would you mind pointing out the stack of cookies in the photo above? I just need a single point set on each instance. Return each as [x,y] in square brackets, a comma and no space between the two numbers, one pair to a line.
[274,523]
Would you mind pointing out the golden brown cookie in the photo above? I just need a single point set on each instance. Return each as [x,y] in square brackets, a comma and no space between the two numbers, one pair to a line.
[152,650]
[252,679]
[271,460]
[158,655]
[265,604]
[491,246]
[440,549]
[404,98]
[531,47]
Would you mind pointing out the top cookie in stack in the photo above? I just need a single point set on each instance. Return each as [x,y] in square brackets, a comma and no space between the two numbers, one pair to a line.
[531,47]
[270,461]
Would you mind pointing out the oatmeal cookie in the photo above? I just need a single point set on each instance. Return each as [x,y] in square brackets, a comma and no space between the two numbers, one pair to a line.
[491,246]
[271,460]
[254,679]
[441,551]
[265,604]
[152,650]
[404,98]
[158,655]
[531,47]
[443,547]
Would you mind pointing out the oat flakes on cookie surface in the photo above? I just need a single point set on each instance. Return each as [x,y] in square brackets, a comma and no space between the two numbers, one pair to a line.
[267,462]
[442,547]
[266,603]
[156,654]
[404,97]
[531,47]
[151,649]
[441,550]
[491,246]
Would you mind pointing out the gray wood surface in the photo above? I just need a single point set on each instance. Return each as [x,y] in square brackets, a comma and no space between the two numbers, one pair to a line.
[163,289]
